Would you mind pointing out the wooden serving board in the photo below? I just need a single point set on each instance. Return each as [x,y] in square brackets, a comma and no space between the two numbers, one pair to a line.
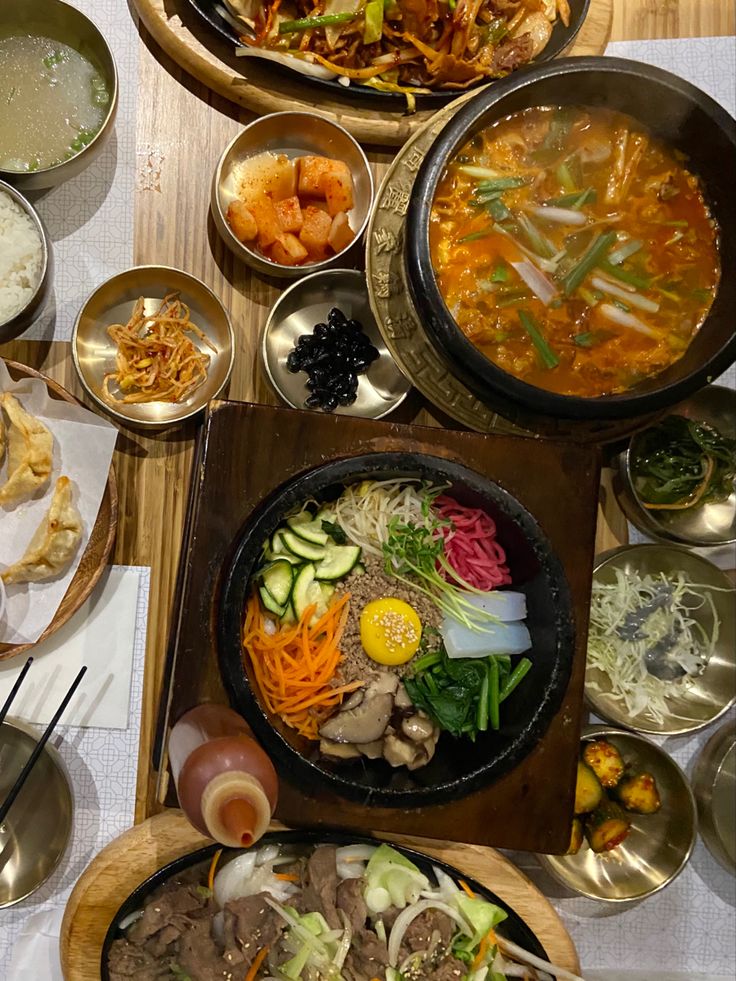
[133,856]
[195,47]
[101,540]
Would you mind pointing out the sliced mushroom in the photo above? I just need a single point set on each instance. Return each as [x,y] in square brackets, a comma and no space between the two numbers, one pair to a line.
[340,751]
[353,700]
[402,698]
[363,724]
[399,752]
[373,751]
[384,683]
[418,727]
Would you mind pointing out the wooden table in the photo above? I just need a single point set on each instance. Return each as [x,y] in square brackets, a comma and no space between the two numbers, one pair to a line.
[182,129]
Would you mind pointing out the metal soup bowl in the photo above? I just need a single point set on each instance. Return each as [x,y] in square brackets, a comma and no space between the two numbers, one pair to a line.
[34,835]
[710,693]
[295,134]
[678,113]
[62,22]
[94,351]
[710,524]
[714,785]
[33,309]
[658,846]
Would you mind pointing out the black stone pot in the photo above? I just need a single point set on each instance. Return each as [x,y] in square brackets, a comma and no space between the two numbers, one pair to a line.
[675,111]
[513,928]
[459,766]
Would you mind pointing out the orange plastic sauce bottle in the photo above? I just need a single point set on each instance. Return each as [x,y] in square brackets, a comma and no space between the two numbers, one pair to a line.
[226,784]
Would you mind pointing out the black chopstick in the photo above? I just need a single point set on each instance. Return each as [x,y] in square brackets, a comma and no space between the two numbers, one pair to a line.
[17,786]
[14,690]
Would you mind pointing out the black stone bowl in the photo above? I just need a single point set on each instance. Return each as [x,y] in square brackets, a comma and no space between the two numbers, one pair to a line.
[459,766]
[367,97]
[513,928]
[677,112]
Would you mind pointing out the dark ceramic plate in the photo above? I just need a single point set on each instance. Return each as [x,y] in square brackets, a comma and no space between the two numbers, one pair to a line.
[562,38]
[458,767]
[678,113]
[513,928]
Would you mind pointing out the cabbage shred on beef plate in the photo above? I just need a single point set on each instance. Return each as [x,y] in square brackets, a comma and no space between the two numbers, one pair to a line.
[360,912]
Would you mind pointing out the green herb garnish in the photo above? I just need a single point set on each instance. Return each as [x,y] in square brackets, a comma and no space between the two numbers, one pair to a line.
[530,325]
[681,463]
[335,532]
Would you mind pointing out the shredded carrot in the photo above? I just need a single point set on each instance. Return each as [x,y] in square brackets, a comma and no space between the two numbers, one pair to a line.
[466,888]
[287,876]
[213,866]
[295,668]
[257,961]
[488,940]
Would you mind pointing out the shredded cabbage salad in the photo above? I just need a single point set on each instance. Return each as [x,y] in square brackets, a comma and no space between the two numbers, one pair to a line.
[639,622]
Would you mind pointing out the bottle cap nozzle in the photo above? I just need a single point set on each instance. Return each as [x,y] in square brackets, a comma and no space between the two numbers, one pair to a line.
[239,818]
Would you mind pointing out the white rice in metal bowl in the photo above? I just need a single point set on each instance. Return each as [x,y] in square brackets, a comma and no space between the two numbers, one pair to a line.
[21,257]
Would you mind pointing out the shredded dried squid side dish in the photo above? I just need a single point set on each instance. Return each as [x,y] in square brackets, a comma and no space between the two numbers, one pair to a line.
[156,360]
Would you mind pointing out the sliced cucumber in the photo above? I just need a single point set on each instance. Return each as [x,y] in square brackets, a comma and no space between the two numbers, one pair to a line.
[326,590]
[337,562]
[270,603]
[300,594]
[358,569]
[276,544]
[289,616]
[272,556]
[324,514]
[278,579]
[298,546]
[310,531]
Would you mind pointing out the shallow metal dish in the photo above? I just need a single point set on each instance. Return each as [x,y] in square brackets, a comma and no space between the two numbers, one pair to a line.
[28,314]
[712,692]
[658,846]
[380,390]
[294,134]
[112,302]
[709,525]
[56,19]
[36,831]
[714,784]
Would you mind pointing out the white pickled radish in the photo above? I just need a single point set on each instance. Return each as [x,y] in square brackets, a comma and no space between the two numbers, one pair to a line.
[493,638]
[507,605]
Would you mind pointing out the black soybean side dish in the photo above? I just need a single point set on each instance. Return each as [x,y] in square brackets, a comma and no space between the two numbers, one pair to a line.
[333,356]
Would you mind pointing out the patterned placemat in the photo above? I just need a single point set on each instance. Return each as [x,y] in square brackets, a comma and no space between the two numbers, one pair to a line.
[90,218]
[102,765]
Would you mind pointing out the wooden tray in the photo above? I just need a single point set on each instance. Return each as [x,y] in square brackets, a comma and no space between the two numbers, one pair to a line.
[100,541]
[196,48]
[131,858]
[245,452]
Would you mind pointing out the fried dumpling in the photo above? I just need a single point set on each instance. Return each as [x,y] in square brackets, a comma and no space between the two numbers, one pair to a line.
[30,447]
[55,541]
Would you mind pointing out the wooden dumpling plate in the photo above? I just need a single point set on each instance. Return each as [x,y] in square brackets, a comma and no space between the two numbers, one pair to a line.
[101,540]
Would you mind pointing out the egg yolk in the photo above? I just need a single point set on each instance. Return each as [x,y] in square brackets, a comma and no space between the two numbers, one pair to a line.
[390,631]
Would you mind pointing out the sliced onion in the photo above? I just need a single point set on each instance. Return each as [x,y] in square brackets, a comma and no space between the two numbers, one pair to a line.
[377,899]
[290,61]
[537,282]
[355,853]
[624,319]
[269,853]
[562,216]
[407,917]
[344,945]
[232,878]
[218,927]
[130,919]
[635,299]
[511,949]
[236,25]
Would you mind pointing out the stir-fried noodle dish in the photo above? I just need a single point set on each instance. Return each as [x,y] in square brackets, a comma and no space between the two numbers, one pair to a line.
[409,46]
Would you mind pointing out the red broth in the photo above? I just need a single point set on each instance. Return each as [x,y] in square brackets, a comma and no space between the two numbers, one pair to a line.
[574,249]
